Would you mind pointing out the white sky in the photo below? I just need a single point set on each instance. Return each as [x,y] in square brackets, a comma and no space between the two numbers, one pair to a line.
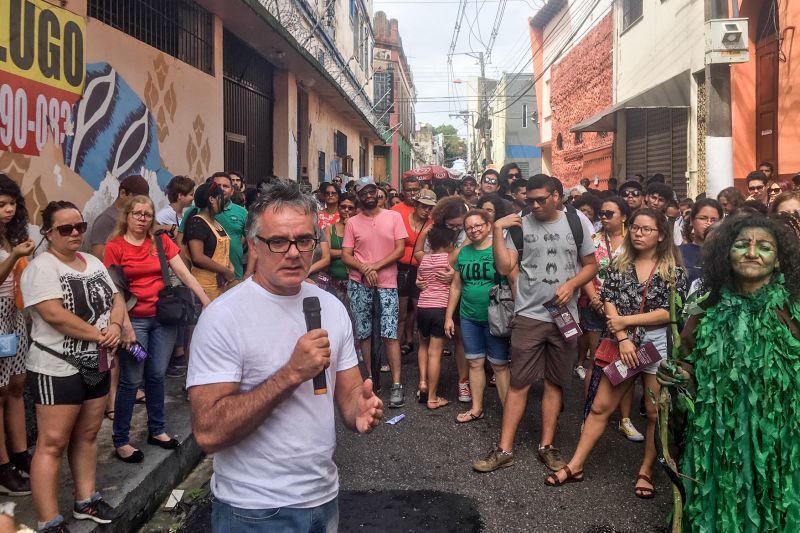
[426,27]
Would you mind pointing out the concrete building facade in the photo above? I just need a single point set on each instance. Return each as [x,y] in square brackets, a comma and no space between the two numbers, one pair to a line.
[515,130]
[571,44]
[185,88]
[428,146]
[394,96]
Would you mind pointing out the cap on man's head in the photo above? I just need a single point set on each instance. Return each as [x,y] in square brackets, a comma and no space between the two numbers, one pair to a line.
[364,182]
[427,197]
[631,184]
[135,184]
[469,177]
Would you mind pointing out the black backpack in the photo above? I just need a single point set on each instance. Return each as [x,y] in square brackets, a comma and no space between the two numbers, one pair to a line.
[575,227]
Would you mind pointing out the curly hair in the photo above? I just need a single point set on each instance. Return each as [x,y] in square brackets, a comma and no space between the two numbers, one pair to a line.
[17,228]
[593,201]
[715,256]
[448,209]
[502,207]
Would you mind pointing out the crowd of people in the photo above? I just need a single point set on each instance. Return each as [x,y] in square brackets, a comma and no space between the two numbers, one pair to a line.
[518,279]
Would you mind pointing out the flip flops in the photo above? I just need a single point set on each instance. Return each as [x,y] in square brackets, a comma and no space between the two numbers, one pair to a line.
[437,403]
[467,417]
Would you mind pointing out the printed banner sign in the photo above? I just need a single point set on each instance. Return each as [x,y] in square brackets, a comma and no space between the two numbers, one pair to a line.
[42,73]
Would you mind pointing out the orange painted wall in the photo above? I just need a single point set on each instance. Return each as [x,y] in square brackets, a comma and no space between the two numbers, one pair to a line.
[743,95]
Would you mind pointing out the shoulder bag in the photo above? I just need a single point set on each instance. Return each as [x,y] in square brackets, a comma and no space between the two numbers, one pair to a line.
[501,310]
[175,305]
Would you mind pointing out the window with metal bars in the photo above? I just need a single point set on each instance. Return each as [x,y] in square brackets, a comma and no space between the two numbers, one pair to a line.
[180,28]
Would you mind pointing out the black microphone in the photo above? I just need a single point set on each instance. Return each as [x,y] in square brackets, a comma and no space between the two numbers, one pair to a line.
[312,312]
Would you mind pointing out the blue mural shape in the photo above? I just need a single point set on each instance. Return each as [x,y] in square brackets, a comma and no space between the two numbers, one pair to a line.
[114,132]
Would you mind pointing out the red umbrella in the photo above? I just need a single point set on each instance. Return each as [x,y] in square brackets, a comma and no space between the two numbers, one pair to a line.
[428,173]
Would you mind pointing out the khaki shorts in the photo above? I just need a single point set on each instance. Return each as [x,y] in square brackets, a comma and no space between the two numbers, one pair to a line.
[539,351]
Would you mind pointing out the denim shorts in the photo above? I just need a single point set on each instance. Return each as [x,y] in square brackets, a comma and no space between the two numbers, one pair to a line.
[478,342]
[226,518]
[591,320]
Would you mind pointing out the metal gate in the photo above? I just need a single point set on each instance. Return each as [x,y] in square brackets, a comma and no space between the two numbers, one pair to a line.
[656,141]
[248,97]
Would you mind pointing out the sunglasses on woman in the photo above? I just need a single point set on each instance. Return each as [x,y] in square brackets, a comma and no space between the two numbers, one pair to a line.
[65,230]
[606,213]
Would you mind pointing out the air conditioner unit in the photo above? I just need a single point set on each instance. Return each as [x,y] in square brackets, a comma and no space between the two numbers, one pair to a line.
[727,41]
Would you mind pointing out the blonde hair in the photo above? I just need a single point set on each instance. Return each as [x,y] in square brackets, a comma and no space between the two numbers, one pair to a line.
[666,253]
[122,221]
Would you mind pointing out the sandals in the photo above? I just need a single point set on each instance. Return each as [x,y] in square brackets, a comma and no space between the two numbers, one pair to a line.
[437,403]
[645,493]
[406,349]
[467,417]
[553,481]
[109,414]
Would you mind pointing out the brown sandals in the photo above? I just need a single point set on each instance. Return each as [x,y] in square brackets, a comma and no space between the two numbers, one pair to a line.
[553,481]
[645,493]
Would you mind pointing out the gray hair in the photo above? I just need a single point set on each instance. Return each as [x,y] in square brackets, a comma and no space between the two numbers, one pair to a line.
[279,195]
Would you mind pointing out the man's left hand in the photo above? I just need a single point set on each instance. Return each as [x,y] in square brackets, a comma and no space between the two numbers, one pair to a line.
[564,294]
[369,408]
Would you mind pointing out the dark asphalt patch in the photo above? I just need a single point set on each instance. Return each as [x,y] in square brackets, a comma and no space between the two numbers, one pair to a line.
[395,511]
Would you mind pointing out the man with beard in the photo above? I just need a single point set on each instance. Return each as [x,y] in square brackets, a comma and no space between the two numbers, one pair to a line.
[374,240]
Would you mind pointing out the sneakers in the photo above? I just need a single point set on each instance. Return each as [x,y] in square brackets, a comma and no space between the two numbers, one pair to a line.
[22,460]
[396,396]
[581,372]
[12,482]
[495,459]
[61,527]
[179,362]
[97,511]
[551,457]
[175,371]
[464,394]
[627,428]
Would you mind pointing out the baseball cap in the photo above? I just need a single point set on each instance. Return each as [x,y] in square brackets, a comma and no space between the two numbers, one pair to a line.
[135,184]
[426,197]
[469,177]
[364,182]
[631,184]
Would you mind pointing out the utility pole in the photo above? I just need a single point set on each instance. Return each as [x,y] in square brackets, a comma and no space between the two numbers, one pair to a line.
[719,130]
[483,112]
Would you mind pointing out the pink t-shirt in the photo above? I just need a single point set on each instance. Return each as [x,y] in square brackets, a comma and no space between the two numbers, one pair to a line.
[372,240]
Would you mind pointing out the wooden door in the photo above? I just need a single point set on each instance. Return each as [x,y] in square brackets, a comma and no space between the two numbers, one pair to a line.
[767,100]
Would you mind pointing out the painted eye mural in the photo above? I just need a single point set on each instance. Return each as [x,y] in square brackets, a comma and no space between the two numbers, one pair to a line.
[114,132]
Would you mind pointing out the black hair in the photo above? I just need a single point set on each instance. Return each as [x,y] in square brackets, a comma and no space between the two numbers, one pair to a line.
[250,195]
[218,175]
[591,200]
[688,202]
[490,171]
[557,186]
[519,183]
[796,179]
[177,186]
[757,175]
[661,189]
[688,228]
[767,164]
[17,228]
[502,207]
[752,207]
[715,255]
[409,179]
[51,209]
[543,181]
[204,193]
[505,169]
[790,220]
[324,186]
[612,183]
[622,205]
[440,236]
[657,178]
[345,196]
[441,191]
[672,203]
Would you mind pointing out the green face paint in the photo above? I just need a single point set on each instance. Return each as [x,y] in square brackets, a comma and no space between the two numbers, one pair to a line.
[754,255]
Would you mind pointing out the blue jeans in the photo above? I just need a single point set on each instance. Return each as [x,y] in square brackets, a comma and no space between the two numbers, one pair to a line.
[229,519]
[158,341]
[479,342]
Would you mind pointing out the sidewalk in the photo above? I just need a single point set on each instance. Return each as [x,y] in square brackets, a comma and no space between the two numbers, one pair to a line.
[135,491]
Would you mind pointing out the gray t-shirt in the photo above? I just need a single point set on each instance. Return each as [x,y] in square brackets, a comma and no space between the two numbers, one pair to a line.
[549,259]
[103,225]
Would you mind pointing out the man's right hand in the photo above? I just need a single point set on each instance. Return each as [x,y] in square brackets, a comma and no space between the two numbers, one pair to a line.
[508,221]
[312,354]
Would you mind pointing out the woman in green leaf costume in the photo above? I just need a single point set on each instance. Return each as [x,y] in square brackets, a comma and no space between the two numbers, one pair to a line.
[742,442]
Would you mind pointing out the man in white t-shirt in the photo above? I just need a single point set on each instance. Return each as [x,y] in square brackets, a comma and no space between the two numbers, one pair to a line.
[250,371]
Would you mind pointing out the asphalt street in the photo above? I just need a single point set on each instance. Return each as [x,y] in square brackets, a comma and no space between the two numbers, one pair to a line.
[417,475]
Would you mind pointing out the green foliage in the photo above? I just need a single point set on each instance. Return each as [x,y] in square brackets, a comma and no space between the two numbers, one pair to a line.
[454,146]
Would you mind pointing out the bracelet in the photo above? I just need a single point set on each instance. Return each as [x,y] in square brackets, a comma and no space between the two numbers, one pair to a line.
[625,338]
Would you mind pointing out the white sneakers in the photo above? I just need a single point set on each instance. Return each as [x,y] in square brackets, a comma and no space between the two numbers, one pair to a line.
[627,428]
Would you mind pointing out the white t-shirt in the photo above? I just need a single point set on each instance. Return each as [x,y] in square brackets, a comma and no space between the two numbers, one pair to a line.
[88,294]
[677,231]
[245,336]
[7,287]
[166,216]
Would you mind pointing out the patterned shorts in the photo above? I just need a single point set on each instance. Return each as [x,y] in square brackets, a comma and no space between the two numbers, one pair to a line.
[12,321]
[361,305]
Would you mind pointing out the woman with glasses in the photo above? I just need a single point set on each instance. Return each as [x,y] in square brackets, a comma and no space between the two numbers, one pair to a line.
[636,296]
[742,440]
[469,291]
[786,202]
[704,213]
[133,248]
[490,181]
[77,322]
[335,235]
[330,213]
[208,243]
[15,247]
[614,213]
[774,190]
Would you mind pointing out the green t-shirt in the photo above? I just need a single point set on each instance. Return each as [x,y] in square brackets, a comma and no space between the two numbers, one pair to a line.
[232,220]
[478,275]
